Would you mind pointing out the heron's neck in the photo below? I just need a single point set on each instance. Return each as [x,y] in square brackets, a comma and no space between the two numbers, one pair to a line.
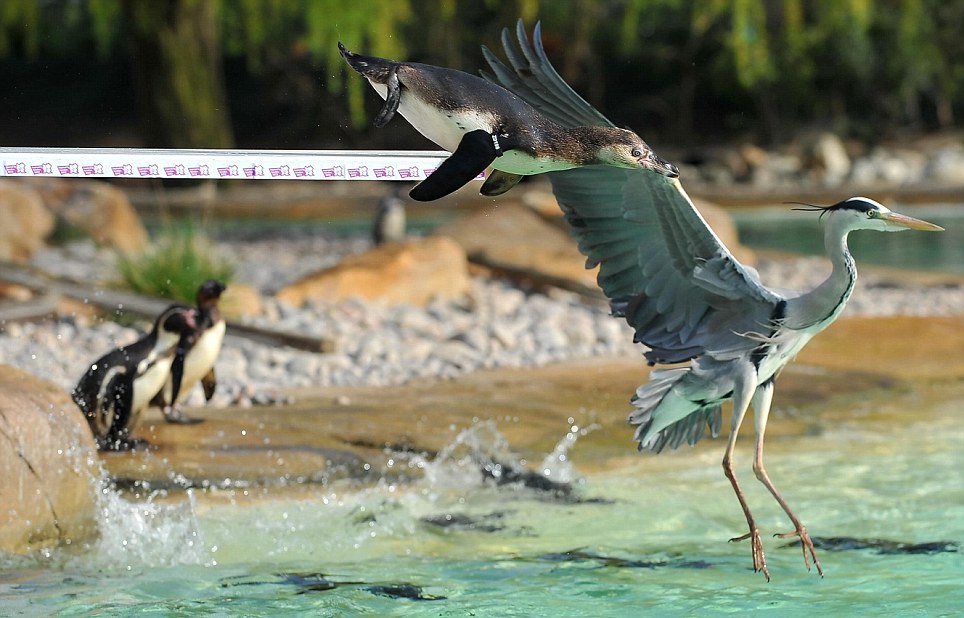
[820,306]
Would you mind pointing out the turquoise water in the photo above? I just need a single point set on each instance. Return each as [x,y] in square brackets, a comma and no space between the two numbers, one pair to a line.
[648,536]
[784,229]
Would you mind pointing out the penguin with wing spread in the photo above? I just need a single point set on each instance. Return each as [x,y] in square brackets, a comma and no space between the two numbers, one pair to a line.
[482,124]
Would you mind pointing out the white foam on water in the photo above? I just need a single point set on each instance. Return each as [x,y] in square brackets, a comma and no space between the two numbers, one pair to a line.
[148,533]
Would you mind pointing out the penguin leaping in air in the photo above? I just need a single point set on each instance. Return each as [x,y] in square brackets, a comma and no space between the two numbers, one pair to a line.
[118,386]
[482,124]
[197,352]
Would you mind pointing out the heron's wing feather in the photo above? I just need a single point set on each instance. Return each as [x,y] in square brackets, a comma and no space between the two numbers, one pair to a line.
[660,264]
[533,78]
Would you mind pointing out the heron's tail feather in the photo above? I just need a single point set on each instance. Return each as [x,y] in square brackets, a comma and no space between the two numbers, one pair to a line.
[663,416]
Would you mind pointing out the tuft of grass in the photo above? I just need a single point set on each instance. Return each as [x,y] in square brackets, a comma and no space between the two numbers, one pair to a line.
[174,265]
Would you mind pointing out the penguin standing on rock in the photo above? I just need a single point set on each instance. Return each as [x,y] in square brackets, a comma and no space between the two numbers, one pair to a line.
[197,352]
[389,222]
[482,124]
[118,386]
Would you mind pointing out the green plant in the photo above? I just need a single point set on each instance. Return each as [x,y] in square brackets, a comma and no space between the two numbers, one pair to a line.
[174,265]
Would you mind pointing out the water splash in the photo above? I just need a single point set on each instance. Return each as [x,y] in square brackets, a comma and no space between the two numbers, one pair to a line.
[557,466]
[477,451]
[150,533]
[481,452]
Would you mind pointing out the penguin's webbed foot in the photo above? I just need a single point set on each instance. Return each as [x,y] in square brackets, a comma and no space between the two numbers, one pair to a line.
[175,415]
[499,182]
[391,100]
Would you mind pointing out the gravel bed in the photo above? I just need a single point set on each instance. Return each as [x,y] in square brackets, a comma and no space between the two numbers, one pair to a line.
[497,325]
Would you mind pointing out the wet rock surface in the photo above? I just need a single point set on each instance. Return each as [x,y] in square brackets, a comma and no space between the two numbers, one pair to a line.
[48,466]
[367,432]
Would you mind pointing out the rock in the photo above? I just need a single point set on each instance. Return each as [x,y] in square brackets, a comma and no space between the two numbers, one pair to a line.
[947,166]
[26,221]
[101,210]
[15,292]
[513,238]
[240,301]
[827,153]
[48,462]
[413,272]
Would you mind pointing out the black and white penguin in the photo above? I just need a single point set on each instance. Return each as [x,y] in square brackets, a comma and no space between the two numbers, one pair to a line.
[198,350]
[482,124]
[118,386]
[389,222]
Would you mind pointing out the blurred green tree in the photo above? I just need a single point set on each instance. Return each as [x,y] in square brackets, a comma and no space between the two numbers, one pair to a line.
[682,68]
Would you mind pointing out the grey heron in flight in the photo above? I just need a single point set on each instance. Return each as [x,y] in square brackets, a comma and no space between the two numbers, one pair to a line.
[688,299]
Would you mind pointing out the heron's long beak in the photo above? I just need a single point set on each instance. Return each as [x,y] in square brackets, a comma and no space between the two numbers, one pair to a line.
[910,222]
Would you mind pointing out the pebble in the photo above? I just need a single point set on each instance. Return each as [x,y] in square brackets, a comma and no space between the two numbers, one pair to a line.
[499,325]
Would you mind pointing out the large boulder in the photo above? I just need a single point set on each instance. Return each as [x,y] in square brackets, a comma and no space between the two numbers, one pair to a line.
[412,272]
[513,238]
[241,301]
[533,240]
[48,465]
[100,210]
[26,221]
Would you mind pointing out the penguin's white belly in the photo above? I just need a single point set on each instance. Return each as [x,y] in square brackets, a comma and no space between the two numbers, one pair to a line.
[199,360]
[445,128]
[150,383]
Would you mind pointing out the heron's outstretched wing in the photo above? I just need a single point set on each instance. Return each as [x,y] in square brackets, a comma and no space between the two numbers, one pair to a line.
[660,264]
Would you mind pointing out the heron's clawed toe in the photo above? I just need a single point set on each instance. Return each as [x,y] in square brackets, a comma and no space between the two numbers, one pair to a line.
[807,545]
[756,548]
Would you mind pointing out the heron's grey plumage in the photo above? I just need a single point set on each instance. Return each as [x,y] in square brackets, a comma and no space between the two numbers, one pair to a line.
[662,267]
[685,295]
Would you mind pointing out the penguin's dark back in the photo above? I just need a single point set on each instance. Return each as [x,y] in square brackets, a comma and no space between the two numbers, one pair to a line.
[85,393]
[451,89]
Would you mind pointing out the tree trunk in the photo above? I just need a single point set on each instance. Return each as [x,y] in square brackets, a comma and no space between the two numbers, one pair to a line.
[178,73]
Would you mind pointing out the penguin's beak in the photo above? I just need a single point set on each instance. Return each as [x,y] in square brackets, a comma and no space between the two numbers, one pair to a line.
[659,165]
[898,220]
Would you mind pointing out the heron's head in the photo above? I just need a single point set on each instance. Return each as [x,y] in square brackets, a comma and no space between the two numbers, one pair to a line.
[623,148]
[863,213]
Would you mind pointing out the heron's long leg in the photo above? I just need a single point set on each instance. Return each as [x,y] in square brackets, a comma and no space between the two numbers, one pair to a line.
[741,401]
[761,411]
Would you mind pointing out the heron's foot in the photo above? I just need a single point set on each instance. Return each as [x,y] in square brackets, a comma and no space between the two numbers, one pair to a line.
[174,414]
[756,548]
[807,545]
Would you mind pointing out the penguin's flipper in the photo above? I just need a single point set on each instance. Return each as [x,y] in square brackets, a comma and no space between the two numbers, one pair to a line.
[209,383]
[499,182]
[476,151]
[116,414]
[392,98]
[177,369]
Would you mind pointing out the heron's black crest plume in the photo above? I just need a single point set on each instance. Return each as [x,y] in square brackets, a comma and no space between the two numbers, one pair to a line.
[807,207]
